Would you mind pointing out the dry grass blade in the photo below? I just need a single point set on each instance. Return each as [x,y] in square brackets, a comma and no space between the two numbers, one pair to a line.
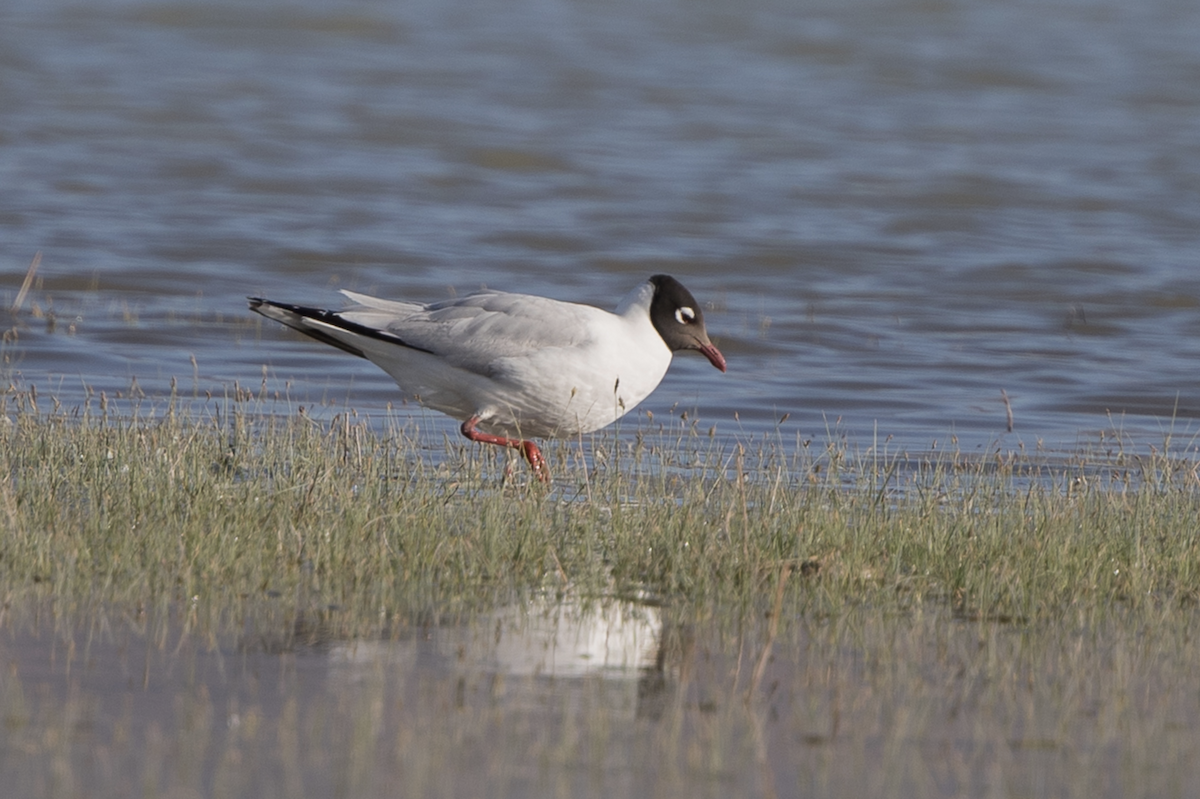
[772,630]
[29,275]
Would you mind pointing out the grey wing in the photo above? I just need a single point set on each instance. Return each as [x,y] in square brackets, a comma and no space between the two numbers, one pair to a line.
[479,330]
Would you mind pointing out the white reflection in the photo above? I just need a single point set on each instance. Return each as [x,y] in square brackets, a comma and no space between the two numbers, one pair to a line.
[612,638]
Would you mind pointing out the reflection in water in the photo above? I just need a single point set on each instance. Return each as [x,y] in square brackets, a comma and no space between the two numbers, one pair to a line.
[552,643]
[937,705]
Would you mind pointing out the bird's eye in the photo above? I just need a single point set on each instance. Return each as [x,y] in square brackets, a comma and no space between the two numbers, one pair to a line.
[685,315]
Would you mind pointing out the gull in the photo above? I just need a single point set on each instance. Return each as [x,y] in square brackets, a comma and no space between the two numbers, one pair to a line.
[513,367]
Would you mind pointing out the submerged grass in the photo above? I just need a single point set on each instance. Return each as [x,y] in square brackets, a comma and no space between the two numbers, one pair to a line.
[159,508]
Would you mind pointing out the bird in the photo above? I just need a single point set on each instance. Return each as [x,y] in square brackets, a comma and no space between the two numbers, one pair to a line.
[514,367]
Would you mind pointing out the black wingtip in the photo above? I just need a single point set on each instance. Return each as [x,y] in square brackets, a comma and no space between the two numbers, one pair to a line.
[294,315]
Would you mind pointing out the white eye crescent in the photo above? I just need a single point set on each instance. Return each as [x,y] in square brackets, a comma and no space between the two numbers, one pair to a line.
[685,315]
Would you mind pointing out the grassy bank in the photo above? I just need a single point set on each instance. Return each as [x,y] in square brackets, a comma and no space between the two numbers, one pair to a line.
[159,508]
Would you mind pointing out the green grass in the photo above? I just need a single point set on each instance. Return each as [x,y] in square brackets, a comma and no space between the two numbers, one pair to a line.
[159,508]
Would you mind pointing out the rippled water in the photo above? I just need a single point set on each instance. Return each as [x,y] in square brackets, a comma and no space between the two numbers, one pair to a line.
[897,210]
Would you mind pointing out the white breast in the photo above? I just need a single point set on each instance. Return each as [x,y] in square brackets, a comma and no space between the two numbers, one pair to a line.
[567,391]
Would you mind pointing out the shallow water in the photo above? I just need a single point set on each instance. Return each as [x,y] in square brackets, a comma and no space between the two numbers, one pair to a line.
[921,705]
[892,211]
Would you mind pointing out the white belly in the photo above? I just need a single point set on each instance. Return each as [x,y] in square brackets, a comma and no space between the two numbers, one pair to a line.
[554,398]
[549,393]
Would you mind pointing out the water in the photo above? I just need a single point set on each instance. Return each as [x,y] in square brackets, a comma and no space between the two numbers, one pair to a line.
[927,705]
[893,211]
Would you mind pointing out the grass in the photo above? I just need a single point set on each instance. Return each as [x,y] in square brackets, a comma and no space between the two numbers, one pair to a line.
[858,623]
[161,507]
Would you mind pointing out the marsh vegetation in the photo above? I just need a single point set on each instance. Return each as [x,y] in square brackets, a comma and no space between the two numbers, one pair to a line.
[243,602]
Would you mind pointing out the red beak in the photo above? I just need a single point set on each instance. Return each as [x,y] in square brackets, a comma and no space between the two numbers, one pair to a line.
[714,356]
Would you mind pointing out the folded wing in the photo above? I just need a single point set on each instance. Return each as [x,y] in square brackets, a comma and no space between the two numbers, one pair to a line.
[477,332]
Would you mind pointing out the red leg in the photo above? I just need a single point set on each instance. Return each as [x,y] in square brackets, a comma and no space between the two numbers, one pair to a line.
[528,448]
